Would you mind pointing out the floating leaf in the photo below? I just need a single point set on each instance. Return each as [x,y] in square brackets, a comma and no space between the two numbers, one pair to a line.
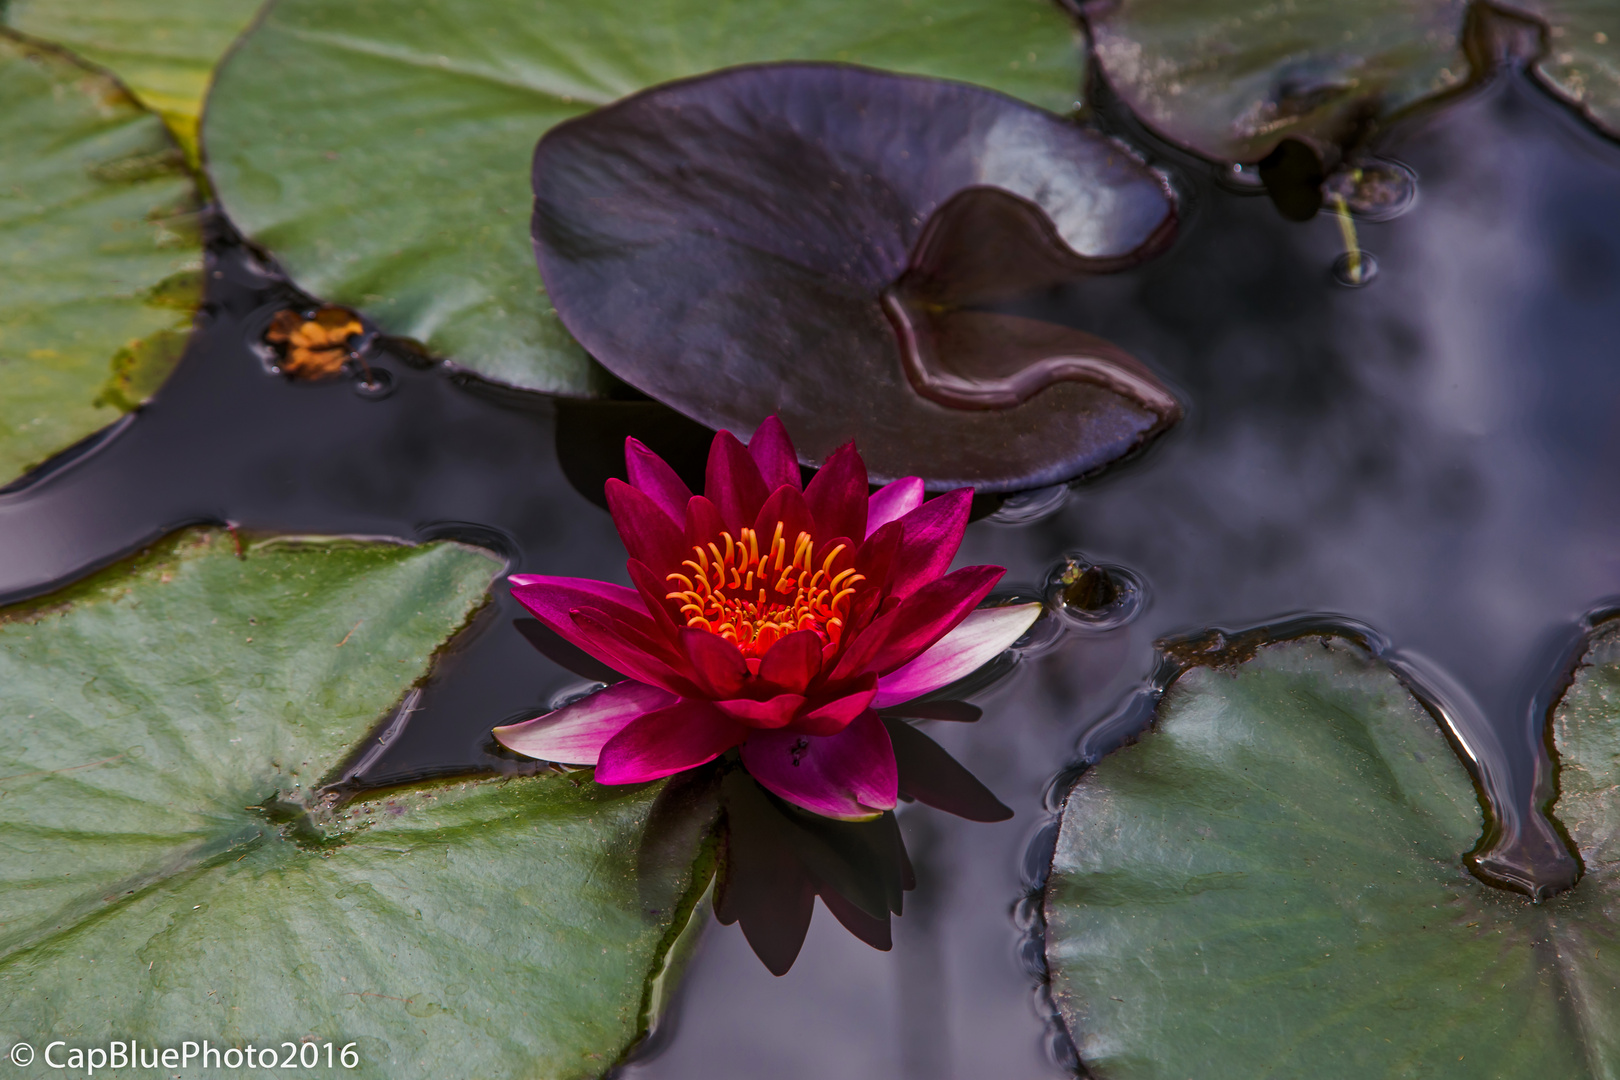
[1231,79]
[170,874]
[823,242]
[381,154]
[163,50]
[100,275]
[314,346]
[1271,883]
[1581,63]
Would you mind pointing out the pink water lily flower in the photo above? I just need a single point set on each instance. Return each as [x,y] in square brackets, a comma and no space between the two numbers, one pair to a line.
[769,618]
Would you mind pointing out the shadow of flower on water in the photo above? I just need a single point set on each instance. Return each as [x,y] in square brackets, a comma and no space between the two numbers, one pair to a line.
[774,859]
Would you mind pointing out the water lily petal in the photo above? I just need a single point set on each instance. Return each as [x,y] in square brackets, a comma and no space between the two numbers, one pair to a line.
[875,562]
[733,483]
[977,640]
[893,501]
[554,599]
[773,712]
[703,523]
[667,741]
[773,452]
[836,715]
[654,591]
[837,494]
[933,533]
[717,664]
[652,476]
[551,598]
[648,533]
[576,733]
[792,662]
[630,650]
[899,635]
[786,507]
[850,775]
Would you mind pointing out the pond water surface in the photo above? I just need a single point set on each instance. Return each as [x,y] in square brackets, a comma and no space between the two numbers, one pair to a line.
[1434,456]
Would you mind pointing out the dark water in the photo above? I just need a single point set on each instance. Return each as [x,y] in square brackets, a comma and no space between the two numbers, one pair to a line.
[1434,455]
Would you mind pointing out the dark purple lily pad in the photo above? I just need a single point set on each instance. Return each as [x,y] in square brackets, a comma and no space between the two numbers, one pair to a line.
[826,243]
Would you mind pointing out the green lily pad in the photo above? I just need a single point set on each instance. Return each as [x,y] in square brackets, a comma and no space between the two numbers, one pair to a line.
[382,155]
[102,268]
[1581,63]
[169,875]
[1231,79]
[1271,883]
[163,50]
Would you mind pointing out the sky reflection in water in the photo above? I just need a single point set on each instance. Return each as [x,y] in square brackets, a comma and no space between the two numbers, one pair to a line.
[1433,455]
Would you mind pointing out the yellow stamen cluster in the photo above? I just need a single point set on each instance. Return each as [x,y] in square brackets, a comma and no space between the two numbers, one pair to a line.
[754,599]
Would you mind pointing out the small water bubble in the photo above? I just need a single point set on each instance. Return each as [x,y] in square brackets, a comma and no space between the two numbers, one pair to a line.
[1375,190]
[375,383]
[1029,912]
[1241,177]
[1095,596]
[1355,269]
[1027,507]
[572,693]
[1032,952]
[1038,857]
[1060,1048]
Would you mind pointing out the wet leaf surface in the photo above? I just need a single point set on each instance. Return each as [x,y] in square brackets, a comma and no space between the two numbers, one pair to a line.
[163,50]
[827,243]
[1581,63]
[382,156]
[1231,79]
[169,872]
[102,258]
[1275,870]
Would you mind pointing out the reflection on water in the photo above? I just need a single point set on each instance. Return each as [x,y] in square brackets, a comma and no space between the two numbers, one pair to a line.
[1433,455]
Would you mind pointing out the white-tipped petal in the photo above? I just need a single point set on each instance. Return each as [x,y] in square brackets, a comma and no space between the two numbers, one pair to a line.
[576,733]
[977,640]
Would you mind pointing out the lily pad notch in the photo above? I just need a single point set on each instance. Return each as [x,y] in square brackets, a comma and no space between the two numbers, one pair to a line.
[165,723]
[829,243]
[1294,823]
[321,147]
[1302,89]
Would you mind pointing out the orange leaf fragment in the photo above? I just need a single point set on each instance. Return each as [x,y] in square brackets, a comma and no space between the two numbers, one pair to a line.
[316,347]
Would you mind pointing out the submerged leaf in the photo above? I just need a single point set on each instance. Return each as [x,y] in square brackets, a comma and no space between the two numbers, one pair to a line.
[97,286]
[170,871]
[826,242]
[379,152]
[1231,79]
[1294,827]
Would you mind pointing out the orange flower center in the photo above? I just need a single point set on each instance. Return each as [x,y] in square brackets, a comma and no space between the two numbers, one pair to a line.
[754,598]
